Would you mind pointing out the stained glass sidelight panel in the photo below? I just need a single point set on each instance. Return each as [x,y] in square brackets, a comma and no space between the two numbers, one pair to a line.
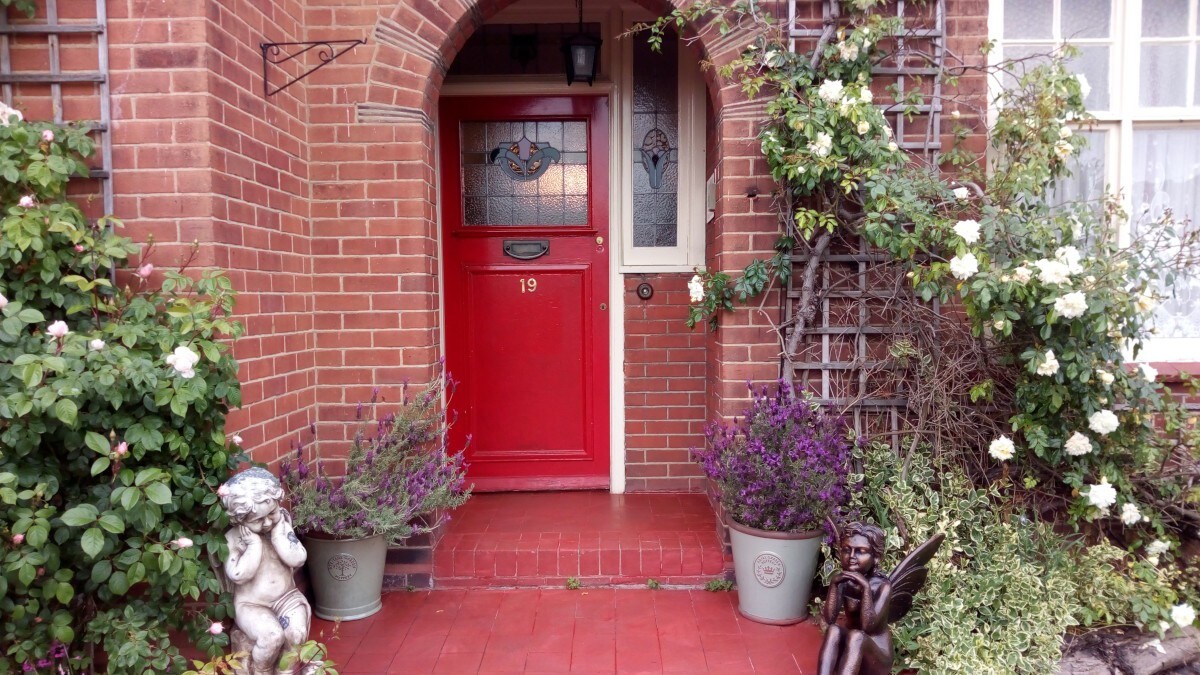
[656,144]
[524,173]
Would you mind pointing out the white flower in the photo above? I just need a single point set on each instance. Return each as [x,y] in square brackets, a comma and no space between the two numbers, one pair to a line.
[1063,149]
[1049,364]
[866,95]
[846,105]
[1022,274]
[1183,615]
[1084,87]
[1064,132]
[1002,448]
[1106,378]
[3,301]
[1157,547]
[954,114]
[184,361]
[26,202]
[1052,271]
[964,267]
[968,230]
[96,345]
[6,113]
[58,329]
[961,193]
[1102,495]
[183,542]
[831,91]
[1103,422]
[696,289]
[863,127]
[1069,256]
[1130,515]
[822,145]
[1071,305]
[1077,445]
[999,324]
[1146,303]
[1148,372]
[847,51]
[892,146]
[237,440]
[772,58]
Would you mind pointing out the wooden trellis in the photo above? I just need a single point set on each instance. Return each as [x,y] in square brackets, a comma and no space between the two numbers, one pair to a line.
[55,66]
[841,351]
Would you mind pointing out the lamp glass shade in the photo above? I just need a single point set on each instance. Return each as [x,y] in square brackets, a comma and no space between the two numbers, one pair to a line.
[582,56]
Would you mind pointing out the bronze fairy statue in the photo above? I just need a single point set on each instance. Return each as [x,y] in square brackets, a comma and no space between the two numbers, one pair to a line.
[861,643]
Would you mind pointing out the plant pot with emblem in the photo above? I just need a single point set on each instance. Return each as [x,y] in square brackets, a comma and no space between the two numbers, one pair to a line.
[400,479]
[781,474]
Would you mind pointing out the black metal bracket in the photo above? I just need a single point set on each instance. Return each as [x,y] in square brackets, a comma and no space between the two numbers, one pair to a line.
[281,52]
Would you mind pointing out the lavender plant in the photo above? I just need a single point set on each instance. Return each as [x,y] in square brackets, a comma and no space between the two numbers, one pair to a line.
[399,481]
[783,467]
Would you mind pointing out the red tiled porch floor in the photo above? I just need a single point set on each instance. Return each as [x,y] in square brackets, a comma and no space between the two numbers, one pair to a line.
[542,539]
[597,630]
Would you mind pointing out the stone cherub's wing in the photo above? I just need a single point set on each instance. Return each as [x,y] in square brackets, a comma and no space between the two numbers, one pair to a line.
[909,576]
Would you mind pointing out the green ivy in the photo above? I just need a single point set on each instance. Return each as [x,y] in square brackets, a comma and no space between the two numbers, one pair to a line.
[109,457]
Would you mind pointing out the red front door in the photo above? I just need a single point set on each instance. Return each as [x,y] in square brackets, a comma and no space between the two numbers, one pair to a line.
[525,194]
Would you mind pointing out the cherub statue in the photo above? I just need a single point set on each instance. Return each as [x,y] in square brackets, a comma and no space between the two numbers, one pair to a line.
[861,643]
[270,612]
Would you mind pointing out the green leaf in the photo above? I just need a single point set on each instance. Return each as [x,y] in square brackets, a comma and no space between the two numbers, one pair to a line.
[101,571]
[31,315]
[66,411]
[92,542]
[64,593]
[112,523]
[81,515]
[100,465]
[97,442]
[118,584]
[158,493]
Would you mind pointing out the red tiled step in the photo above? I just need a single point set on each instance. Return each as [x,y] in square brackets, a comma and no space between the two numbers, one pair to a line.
[542,539]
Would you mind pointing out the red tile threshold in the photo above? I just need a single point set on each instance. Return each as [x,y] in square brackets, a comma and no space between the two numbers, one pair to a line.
[603,630]
[543,539]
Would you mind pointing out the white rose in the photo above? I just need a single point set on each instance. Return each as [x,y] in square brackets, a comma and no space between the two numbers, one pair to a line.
[1023,274]
[964,267]
[1069,256]
[822,145]
[1146,303]
[1106,378]
[696,289]
[1103,422]
[892,146]
[1052,272]
[968,230]
[954,114]
[847,51]
[1071,305]
[961,193]
[1049,364]
[6,113]
[866,95]
[1002,448]
[1064,132]
[1077,445]
[1183,615]
[1130,515]
[1157,547]
[1148,372]
[96,345]
[831,91]
[1063,149]
[184,361]
[1102,495]
[863,127]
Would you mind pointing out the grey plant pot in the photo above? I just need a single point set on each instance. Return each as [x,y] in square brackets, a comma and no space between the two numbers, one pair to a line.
[774,572]
[347,576]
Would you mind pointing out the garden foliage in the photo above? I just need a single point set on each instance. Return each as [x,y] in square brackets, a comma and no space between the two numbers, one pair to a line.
[112,430]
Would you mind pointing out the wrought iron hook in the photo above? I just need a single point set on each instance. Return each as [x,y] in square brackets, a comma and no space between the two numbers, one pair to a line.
[277,53]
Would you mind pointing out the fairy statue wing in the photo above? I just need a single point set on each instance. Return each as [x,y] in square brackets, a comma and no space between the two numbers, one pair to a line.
[910,575]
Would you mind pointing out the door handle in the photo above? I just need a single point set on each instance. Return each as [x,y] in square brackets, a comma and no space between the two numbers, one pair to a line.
[526,249]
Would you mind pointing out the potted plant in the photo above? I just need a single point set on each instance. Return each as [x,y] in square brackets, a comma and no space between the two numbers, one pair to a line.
[399,481]
[781,473]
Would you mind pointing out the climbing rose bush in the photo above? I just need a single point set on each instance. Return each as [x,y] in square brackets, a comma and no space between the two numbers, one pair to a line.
[112,431]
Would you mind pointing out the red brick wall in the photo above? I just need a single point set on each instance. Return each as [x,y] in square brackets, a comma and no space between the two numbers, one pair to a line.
[664,387]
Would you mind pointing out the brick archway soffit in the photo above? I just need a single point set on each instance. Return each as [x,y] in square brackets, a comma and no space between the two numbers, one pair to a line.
[415,46]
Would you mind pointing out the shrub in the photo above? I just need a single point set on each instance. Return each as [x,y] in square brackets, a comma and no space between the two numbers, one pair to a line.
[110,454]
[401,472]
[783,467]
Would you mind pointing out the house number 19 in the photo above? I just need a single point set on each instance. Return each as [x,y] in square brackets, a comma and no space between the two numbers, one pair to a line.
[528,285]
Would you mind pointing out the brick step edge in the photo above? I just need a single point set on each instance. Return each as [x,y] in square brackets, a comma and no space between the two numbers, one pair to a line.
[666,583]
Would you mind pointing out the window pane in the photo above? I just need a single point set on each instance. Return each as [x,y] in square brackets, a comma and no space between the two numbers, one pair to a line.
[1164,18]
[1166,165]
[1085,18]
[1092,63]
[656,144]
[1088,172]
[1162,68]
[1028,19]
[517,173]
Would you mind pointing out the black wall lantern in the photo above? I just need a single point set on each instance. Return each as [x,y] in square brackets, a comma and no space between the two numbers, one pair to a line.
[582,52]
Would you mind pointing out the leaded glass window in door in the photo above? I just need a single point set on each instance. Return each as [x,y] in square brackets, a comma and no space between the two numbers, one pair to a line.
[525,173]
